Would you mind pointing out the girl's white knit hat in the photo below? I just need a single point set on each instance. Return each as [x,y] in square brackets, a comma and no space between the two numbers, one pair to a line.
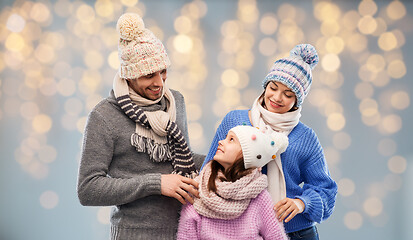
[140,52]
[259,147]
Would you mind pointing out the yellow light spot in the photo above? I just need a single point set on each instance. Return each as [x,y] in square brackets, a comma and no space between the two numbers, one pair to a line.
[15,42]
[326,11]
[183,24]
[66,87]
[350,20]
[286,11]
[129,3]
[244,60]
[400,100]
[49,199]
[368,107]
[367,25]
[40,12]
[381,79]
[329,28]
[401,39]
[373,206]
[371,120]
[104,8]
[230,28]
[44,53]
[396,10]
[113,60]
[396,69]
[387,41]
[332,156]
[80,124]
[365,74]
[335,45]
[42,123]
[230,78]
[346,187]
[391,124]
[330,62]
[247,12]
[353,220]
[93,59]
[85,14]
[357,42]
[381,27]
[397,164]
[229,96]
[28,110]
[15,23]
[364,90]
[332,107]
[367,8]
[387,147]
[268,24]
[376,63]
[267,47]
[183,43]
[336,121]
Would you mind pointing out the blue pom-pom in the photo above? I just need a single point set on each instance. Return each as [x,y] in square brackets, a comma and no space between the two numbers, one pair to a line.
[307,52]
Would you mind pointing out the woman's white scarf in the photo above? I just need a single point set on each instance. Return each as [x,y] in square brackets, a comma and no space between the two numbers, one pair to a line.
[270,122]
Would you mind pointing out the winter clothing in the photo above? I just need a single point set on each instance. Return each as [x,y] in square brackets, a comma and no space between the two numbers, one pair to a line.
[238,210]
[112,172]
[302,162]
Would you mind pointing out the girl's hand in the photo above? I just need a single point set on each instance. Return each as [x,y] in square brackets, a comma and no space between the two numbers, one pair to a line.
[288,207]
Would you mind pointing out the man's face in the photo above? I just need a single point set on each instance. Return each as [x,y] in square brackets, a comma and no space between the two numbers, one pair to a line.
[149,86]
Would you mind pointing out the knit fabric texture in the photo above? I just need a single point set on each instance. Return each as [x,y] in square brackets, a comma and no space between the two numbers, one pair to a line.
[231,198]
[259,147]
[295,71]
[113,173]
[302,162]
[140,51]
[258,221]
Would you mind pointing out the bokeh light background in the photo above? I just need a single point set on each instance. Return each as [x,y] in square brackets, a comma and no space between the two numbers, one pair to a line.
[58,59]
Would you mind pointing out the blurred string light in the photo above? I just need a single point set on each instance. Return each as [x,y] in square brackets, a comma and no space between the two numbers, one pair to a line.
[75,63]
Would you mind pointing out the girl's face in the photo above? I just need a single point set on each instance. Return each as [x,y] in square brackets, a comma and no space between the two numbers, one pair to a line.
[229,150]
[278,98]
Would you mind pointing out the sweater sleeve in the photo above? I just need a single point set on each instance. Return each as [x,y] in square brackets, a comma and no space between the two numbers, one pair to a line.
[188,223]
[95,187]
[320,190]
[269,226]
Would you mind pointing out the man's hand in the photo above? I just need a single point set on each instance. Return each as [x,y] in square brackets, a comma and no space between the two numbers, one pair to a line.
[288,207]
[177,186]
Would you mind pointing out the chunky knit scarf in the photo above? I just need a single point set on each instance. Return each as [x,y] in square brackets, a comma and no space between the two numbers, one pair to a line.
[174,149]
[231,198]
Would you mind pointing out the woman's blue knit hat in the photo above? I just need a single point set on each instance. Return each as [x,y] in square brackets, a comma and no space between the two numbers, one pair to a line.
[295,71]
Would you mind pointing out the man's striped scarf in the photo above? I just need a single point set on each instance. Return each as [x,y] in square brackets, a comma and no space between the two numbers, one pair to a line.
[182,159]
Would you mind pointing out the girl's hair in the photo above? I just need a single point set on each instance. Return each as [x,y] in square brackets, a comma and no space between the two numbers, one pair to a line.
[263,103]
[232,174]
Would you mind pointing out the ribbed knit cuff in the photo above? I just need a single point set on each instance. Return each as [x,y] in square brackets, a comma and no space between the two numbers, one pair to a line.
[119,233]
[153,183]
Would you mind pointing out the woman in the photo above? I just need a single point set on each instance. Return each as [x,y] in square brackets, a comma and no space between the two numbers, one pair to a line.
[310,192]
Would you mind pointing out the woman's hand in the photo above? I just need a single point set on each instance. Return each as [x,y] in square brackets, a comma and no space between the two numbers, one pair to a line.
[288,207]
[177,186]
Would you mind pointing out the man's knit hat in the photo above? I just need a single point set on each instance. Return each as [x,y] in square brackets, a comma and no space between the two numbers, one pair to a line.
[258,147]
[140,52]
[295,71]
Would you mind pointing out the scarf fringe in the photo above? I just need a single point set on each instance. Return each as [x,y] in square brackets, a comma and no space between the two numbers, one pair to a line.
[157,152]
[192,174]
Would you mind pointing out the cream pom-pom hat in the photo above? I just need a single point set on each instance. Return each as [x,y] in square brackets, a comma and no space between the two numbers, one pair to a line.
[140,52]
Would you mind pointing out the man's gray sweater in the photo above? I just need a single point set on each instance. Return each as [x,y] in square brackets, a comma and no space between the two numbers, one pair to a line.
[113,173]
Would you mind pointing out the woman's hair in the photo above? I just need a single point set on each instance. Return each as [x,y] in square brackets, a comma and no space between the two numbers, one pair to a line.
[232,174]
[263,102]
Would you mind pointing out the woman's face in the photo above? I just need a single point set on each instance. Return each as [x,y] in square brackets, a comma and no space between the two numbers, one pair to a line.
[229,150]
[149,86]
[278,98]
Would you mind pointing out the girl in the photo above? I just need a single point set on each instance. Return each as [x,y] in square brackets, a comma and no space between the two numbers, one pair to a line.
[310,190]
[234,202]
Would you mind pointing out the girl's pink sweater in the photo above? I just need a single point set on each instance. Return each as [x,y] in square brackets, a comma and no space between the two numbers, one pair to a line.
[257,222]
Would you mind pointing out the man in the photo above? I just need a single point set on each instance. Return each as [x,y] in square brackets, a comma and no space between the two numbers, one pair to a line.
[135,154]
